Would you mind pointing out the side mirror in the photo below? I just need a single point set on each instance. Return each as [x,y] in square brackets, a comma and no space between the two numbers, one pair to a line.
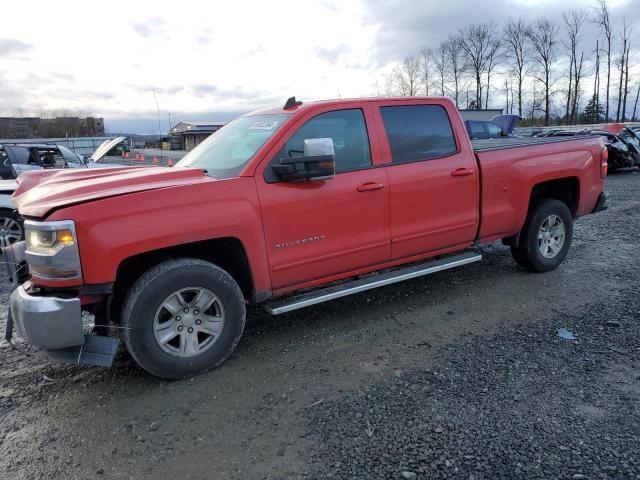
[317,162]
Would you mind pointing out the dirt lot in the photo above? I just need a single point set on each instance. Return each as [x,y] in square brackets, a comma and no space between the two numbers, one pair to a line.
[458,375]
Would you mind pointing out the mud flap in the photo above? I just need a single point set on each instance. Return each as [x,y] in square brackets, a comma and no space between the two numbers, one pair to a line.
[8,333]
[97,350]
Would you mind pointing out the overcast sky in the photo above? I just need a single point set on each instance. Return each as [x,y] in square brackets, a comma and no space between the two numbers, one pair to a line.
[214,60]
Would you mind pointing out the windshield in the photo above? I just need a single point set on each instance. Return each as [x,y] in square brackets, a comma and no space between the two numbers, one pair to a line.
[630,137]
[72,158]
[226,152]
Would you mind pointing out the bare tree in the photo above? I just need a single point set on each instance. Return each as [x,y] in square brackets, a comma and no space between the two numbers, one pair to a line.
[384,87]
[493,56]
[574,22]
[507,91]
[440,62]
[596,79]
[543,36]
[477,41]
[455,61]
[622,68]
[407,77]
[604,20]
[517,51]
[626,84]
[426,67]
[635,105]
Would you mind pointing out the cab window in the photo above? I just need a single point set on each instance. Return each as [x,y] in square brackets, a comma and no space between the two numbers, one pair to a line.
[347,129]
[418,132]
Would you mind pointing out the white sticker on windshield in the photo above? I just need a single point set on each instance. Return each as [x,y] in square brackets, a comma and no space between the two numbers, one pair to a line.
[264,125]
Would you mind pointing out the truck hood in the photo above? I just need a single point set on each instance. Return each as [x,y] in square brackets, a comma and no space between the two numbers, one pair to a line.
[507,122]
[104,148]
[41,191]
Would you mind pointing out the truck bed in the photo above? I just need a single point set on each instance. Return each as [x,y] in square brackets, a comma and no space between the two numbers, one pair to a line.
[515,142]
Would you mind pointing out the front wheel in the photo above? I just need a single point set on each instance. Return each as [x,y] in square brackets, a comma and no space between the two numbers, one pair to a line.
[11,230]
[183,317]
[546,237]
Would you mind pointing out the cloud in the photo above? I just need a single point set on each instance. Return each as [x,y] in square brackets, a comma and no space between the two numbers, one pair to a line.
[10,47]
[169,89]
[204,37]
[152,27]
[332,55]
[203,89]
[403,28]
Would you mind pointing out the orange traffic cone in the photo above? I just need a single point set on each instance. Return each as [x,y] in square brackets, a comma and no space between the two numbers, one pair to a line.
[155,160]
[170,163]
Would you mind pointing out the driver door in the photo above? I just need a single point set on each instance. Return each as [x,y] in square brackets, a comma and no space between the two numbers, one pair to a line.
[326,228]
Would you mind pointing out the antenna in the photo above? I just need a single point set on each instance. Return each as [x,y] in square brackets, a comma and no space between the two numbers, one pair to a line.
[292,103]
[159,127]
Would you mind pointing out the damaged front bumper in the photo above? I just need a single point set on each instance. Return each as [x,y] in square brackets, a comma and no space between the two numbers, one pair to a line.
[52,322]
[46,322]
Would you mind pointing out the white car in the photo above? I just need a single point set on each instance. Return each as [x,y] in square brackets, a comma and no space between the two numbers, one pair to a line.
[11,228]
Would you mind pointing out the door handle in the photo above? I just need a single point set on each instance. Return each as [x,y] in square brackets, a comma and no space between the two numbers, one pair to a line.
[370,187]
[461,172]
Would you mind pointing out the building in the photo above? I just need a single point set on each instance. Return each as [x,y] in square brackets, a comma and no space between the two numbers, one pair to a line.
[480,115]
[186,135]
[36,127]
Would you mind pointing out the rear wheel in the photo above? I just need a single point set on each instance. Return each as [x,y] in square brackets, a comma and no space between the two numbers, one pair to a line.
[183,317]
[11,230]
[546,237]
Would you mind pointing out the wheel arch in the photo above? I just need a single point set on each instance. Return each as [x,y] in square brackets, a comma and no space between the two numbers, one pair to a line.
[566,189]
[227,253]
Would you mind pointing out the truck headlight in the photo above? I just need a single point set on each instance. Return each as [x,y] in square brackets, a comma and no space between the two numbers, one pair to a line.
[52,249]
[48,241]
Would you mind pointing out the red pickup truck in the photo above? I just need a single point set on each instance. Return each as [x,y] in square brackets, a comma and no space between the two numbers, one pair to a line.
[286,207]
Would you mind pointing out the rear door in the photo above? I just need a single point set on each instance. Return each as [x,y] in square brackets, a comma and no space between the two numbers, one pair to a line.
[326,228]
[434,198]
[21,158]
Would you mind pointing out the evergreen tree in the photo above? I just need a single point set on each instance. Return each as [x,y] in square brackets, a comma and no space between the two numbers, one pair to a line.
[591,113]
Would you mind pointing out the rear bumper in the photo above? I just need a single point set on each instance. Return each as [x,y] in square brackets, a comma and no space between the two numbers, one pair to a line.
[602,203]
[48,322]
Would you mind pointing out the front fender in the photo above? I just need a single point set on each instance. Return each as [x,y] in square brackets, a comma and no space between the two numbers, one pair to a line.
[114,229]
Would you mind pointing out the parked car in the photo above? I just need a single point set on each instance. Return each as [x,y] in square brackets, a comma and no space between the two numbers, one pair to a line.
[20,157]
[622,143]
[285,207]
[11,230]
[499,126]
[623,152]
[16,158]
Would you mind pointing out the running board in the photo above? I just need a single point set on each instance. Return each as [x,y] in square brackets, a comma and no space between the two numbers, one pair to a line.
[363,284]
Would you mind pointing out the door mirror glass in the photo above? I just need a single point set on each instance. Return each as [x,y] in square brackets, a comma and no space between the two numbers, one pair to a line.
[317,162]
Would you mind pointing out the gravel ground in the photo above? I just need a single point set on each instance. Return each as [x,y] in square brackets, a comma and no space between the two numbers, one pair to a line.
[460,375]
[522,403]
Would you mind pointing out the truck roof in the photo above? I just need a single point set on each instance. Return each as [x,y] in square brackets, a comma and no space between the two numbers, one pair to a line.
[338,101]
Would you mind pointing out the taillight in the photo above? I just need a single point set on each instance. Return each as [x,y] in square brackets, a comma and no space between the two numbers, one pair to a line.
[604,166]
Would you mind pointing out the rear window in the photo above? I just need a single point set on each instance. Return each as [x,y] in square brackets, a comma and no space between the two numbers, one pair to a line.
[477,128]
[494,130]
[418,132]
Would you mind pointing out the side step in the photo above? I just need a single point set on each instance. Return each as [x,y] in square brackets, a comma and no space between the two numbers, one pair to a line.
[362,284]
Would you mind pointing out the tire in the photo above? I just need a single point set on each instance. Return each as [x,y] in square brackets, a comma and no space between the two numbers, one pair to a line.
[155,307]
[531,252]
[11,228]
